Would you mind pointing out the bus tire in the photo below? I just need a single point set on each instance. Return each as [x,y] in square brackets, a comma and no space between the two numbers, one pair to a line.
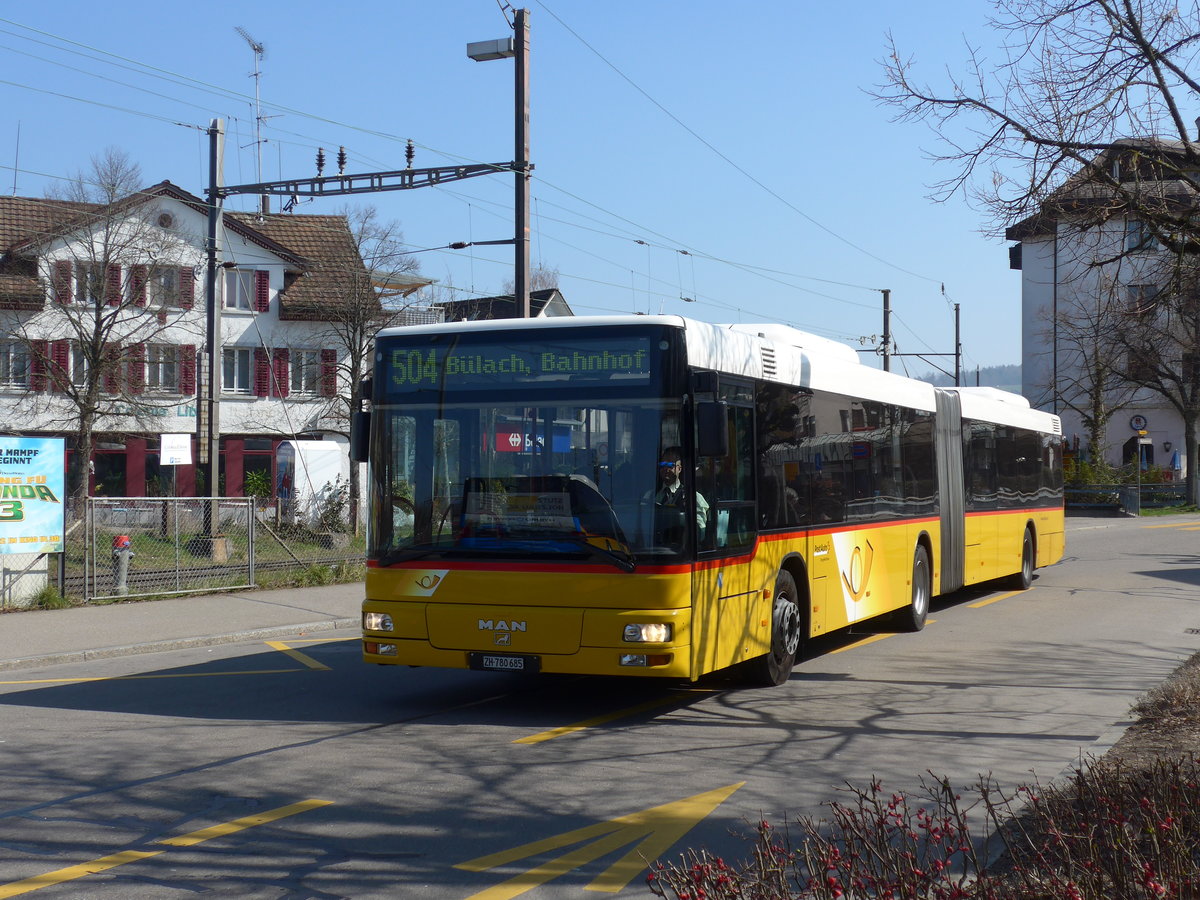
[1023,580]
[913,616]
[775,667]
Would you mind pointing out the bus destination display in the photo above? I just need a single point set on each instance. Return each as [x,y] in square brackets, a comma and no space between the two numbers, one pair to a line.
[487,366]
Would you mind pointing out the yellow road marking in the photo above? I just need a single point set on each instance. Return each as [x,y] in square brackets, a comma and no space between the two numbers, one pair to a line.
[297,655]
[598,720]
[995,599]
[1170,525]
[655,829]
[26,885]
[263,818]
[871,640]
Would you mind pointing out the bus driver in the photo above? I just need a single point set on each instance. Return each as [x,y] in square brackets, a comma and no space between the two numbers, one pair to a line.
[670,495]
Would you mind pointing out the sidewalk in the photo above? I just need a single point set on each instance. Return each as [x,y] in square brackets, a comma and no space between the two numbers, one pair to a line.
[47,637]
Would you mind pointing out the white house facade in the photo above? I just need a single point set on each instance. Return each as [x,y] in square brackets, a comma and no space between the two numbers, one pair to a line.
[1075,270]
[279,359]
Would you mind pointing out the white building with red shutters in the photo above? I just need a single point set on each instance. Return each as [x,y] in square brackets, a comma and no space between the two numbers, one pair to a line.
[122,289]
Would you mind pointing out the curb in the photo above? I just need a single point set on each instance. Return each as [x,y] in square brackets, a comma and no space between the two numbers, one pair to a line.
[53,659]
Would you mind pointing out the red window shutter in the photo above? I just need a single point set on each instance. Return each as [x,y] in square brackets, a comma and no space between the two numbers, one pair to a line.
[137,283]
[187,369]
[262,373]
[62,281]
[187,287]
[60,363]
[39,357]
[112,285]
[328,373]
[262,291]
[136,361]
[281,382]
[111,368]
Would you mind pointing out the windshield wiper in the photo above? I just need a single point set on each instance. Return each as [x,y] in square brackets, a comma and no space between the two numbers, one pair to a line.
[623,561]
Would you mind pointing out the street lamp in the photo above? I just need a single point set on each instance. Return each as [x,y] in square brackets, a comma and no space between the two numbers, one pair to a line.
[518,48]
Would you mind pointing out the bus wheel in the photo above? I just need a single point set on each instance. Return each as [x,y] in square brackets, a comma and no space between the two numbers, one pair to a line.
[1024,578]
[912,617]
[775,667]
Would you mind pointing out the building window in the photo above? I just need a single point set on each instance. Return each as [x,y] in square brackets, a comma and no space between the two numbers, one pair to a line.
[1139,237]
[164,286]
[89,282]
[306,371]
[236,375]
[162,368]
[79,365]
[239,289]
[1140,299]
[14,364]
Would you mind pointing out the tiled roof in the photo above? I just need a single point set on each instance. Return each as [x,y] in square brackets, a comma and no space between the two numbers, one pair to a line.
[328,253]
[24,217]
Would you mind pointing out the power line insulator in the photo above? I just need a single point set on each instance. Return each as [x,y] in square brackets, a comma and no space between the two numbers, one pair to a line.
[409,153]
[320,161]
[341,160]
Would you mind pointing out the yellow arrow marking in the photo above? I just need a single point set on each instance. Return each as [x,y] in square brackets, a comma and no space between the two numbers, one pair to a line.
[283,647]
[598,720]
[656,829]
[26,885]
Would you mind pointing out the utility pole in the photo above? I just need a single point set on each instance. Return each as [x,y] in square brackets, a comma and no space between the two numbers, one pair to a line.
[957,348]
[209,410]
[887,342]
[521,161]
[887,330]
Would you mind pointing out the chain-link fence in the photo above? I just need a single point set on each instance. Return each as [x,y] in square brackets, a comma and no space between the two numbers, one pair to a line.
[140,546]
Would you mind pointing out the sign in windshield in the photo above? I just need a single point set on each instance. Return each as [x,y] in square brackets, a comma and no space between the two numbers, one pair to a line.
[456,365]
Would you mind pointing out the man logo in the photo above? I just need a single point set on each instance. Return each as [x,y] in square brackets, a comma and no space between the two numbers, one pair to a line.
[500,625]
[503,638]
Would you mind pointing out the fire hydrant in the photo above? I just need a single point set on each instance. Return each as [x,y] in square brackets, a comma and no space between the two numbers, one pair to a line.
[122,554]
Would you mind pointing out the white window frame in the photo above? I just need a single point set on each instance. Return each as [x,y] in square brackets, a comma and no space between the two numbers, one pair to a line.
[162,369]
[239,286]
[162,286]
[16,365]
[237,364]
[304,377]
[84,282]
[79,365]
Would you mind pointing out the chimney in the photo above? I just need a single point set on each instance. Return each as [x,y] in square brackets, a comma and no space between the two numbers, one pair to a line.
[1198,128]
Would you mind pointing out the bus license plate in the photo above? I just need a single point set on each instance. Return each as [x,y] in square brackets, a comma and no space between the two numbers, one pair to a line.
[497,662]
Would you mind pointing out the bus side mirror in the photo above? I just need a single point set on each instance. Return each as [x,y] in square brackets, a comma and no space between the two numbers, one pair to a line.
[712,436]
[360,436]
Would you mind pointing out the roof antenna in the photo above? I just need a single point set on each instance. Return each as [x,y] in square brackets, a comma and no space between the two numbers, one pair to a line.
[17,159]
[259,51]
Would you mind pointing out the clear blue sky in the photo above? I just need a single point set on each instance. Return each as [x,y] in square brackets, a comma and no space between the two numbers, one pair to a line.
[778,88]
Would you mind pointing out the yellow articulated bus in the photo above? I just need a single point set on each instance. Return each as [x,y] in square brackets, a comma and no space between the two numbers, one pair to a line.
[651,495]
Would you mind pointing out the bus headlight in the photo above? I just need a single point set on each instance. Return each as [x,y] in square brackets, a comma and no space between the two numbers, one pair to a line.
[651,633]
[374,621]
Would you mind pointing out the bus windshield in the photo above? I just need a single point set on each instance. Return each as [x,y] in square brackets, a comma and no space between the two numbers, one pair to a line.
[488,480]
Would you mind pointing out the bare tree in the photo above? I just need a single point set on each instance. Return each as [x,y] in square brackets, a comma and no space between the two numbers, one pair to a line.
[541,278]
[111,273]
[1081,125]
[1092,379]
[375,283]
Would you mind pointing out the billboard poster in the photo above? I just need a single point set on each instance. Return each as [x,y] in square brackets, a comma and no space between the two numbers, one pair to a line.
[31,494]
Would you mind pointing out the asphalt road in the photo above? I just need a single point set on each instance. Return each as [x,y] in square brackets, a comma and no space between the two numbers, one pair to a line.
[290,769]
